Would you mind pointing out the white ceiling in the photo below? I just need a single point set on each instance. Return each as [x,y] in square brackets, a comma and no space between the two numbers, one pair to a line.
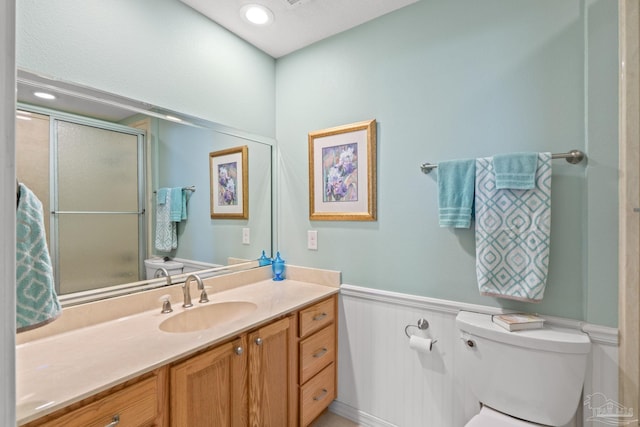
[294,26]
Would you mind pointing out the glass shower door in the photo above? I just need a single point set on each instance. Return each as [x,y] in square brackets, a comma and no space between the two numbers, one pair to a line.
[98,206]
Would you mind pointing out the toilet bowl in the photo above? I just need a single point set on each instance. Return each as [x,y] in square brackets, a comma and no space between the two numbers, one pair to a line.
[524,378]
[491,418]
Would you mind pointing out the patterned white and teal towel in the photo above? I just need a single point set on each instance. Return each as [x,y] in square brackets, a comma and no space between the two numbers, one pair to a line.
[36,299]
[166,230]
[513,234]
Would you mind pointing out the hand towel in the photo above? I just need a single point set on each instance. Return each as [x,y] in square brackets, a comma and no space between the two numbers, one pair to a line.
[516,171]
[455,192]
[513,234]
[184,204]
[166,234]
[36,299]
[176,204]
[161,196]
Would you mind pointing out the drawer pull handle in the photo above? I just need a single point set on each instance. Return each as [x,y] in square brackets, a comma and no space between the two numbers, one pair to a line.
[321,352]
[319,316]
[321,395]
[258,341]
[239,350]
[114,421]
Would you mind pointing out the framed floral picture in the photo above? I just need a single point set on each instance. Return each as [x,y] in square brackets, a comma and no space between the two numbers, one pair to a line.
[229,176]
[342,173]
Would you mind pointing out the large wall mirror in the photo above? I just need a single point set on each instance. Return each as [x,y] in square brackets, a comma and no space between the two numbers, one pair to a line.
[97,162]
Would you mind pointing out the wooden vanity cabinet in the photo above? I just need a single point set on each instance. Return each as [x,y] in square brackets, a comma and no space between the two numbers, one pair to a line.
[317,376]
[250,381]
[282,374]
[139,403]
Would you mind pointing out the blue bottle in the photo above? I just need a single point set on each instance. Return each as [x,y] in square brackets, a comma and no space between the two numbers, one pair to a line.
[263,260]
[278,268]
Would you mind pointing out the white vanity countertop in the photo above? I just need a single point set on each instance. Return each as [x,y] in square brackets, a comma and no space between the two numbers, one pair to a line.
[57,371]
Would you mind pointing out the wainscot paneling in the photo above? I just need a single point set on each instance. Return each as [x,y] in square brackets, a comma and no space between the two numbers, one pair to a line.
[384,383]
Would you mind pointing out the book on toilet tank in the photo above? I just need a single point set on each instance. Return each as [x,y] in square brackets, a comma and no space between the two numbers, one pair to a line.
[518,321]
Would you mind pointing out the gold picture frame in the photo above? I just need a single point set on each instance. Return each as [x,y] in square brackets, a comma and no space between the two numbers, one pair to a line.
[229,180]
[342,173]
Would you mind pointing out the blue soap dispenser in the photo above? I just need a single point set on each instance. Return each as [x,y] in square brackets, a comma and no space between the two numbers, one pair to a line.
[263,260]
[278,268]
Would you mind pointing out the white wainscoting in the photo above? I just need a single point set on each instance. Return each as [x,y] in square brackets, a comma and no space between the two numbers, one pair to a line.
[382,382]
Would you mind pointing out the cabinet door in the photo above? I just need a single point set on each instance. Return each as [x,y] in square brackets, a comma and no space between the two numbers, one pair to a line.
[209,390]
[272,366]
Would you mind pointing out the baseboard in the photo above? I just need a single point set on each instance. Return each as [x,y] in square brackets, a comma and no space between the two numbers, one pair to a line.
[361,418]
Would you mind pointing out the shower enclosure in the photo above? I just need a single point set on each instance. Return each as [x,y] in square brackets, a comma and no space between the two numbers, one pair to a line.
[89,174]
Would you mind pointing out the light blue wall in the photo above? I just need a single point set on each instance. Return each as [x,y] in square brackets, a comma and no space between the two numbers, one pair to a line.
[450,79]
[444,79]
[158,51]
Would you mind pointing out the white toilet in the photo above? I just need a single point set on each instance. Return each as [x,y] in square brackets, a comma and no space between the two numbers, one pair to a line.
[524,378]
[153,264]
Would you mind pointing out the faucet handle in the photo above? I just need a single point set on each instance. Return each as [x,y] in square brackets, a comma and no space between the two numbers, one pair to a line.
[166,304]
[203,297]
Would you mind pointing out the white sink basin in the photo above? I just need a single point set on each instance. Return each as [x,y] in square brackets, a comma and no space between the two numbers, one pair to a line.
[207,316]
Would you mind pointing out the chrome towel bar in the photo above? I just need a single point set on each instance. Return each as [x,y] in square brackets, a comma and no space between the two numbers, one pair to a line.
[191,188]
[574,157]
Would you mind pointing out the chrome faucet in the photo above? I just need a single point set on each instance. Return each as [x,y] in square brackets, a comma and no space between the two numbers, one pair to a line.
[187,293]
[162,272]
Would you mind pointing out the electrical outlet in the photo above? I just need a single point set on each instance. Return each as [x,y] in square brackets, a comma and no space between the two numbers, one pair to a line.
[246,237]
[312,240]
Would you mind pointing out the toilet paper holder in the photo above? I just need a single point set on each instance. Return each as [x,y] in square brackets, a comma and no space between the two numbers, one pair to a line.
[422,325]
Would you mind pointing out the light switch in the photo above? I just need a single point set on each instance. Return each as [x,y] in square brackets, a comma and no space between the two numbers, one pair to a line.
[246,237]
[312,240]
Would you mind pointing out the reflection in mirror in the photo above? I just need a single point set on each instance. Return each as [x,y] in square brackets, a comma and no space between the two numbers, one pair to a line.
[97,161]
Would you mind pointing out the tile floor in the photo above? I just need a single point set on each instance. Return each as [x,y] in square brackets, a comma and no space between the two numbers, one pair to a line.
[329,419]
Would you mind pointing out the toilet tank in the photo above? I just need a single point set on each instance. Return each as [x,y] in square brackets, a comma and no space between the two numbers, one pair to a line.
[153,264]
[536,375]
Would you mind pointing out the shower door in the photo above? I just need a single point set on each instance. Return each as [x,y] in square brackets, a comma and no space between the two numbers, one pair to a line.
[98,205]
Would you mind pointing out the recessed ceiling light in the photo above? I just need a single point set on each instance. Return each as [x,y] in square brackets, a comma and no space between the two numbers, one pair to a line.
[44,95]
[257,14]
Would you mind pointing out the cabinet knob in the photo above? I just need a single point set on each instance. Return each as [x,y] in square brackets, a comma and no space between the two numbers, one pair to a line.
[114,421]
[239,350]
[258,341]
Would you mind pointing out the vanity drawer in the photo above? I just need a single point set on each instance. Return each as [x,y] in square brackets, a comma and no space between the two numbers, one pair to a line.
[317,316]
[316,352]
[317,394]
[137,405]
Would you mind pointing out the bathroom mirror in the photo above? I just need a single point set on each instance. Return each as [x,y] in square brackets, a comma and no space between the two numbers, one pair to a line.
[173,151]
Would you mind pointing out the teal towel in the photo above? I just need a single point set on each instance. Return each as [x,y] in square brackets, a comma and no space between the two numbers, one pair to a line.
[184,205]
[515,171]
[161,197]
[456,180]
[36,299]
[176,204]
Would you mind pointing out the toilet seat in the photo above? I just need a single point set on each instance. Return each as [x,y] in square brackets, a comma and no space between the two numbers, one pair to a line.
[488,417]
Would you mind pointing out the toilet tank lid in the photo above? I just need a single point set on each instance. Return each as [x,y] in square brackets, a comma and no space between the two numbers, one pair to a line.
[548,338]
[159,262]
